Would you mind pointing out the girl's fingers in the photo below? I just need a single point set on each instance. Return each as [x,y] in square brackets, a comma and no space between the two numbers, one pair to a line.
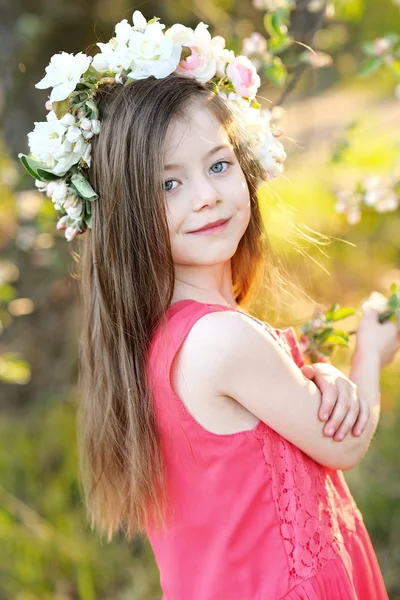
[348,421]
[347,401]
[363,419]
[328,401]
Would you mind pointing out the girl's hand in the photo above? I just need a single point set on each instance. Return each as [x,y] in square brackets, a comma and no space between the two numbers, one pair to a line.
[374,337]
[340,401]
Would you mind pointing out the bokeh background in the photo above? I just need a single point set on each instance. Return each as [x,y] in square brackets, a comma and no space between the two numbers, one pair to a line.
[338,128]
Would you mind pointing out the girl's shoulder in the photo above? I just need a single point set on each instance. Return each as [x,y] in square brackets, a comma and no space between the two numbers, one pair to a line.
[184,314]
[186,355]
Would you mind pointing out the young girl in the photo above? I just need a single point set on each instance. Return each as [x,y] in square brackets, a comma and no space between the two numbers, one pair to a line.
[200,425]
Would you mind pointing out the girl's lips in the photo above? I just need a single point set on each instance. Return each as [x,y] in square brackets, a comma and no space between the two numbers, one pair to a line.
[211,230]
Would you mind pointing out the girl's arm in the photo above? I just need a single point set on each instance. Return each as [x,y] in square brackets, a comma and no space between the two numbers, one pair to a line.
[376,345]
[241,360]
[365,373]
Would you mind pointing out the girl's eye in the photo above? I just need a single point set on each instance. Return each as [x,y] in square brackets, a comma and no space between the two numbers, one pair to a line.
[167,185]
[219,165]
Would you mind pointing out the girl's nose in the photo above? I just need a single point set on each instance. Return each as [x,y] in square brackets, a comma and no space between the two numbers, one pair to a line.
[204,193]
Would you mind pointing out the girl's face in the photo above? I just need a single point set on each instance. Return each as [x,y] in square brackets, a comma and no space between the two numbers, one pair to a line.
[203,183]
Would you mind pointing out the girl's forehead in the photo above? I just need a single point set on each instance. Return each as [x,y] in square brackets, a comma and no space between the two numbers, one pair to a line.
[199,129]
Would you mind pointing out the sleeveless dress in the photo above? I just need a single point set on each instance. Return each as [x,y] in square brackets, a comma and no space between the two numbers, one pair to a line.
[253,517]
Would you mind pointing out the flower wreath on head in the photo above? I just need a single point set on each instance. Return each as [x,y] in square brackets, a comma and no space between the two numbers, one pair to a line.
[60,147]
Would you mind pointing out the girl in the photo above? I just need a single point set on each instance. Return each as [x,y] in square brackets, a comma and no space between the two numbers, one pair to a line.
[218,427]
[200,425]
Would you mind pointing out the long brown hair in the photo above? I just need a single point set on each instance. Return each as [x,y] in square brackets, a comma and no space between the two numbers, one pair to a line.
[126,274]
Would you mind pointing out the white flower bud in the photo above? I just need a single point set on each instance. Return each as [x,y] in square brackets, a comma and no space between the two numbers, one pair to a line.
[96,126]
[60,192]
[86,124]
[73,206]
[51,186]
[87,154]
[72,232]
[63,222]
[87,134]
[49,105]
[41,186]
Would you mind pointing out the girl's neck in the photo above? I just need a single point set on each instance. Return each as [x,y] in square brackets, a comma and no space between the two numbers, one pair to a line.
[206,299]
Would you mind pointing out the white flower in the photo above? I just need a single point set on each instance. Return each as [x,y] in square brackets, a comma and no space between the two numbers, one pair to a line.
[202,62]
[256,124]
[388,203]
[85,124]
[272,5]
[58,143]
[315,5]
[59,192]
[254,44]
[95,126]
[375,301]
[221,55]
[41,186]
[139,21]
[153,53]
[112,58]
[74,207]
[141,51]
[86,156]
[354,216]
[63,73]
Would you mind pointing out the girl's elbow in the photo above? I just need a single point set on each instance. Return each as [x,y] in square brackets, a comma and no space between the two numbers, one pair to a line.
[351,457]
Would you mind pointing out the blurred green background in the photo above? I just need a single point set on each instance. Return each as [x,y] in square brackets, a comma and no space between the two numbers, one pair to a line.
[47,549]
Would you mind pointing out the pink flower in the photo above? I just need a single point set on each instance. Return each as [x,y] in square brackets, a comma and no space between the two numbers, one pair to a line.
[243,76]
[201,62]
[381,45]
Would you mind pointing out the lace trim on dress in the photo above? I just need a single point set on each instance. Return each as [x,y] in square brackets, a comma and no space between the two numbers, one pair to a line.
[314,515]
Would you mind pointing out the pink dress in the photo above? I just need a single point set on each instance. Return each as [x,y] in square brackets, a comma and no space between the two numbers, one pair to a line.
[253,517]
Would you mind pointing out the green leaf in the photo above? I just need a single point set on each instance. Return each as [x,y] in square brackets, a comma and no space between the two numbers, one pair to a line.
[45,175]
[392,38]
[276,72]
[279,44]
[342,313]
[271,25]
[37,169]
[370,65]
[393,302]
[349,10]
[7,293]
[342,333]
[386,316]
[330,313]
[394,288]
[83,187]
[335,340]
[61,108]
[369,48]
[324,335]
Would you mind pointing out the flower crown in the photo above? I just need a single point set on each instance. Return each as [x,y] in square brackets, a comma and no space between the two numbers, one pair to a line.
[60,147]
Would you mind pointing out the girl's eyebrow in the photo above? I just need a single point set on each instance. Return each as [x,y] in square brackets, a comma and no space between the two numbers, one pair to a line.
[207,154]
